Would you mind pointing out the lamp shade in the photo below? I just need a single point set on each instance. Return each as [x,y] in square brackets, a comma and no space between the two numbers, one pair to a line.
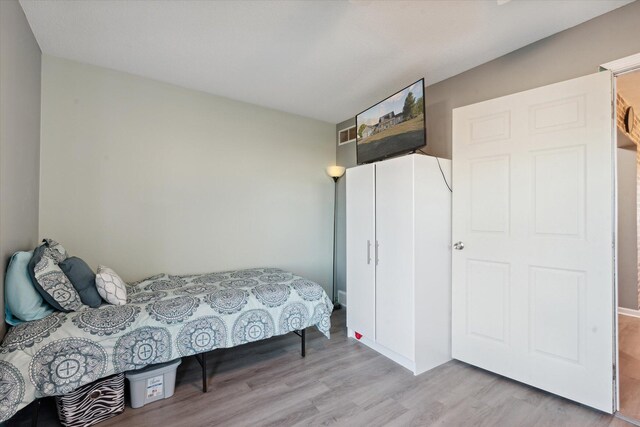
[335,171]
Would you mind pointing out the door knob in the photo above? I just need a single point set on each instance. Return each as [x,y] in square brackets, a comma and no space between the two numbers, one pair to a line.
[458,246]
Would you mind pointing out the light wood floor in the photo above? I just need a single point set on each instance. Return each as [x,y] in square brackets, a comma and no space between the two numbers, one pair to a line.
[629,360]
[341,382]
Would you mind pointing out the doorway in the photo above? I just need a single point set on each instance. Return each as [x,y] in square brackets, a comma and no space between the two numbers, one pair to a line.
[628,178]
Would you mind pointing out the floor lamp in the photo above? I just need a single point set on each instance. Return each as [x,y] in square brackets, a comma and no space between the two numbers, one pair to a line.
[335,172]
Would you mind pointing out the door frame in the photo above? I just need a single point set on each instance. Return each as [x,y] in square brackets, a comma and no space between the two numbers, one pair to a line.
[618,67]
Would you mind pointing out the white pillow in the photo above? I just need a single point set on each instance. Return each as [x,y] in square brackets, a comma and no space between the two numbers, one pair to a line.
[110,286]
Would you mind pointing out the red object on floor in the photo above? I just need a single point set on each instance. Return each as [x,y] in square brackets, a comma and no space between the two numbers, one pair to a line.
[358,335]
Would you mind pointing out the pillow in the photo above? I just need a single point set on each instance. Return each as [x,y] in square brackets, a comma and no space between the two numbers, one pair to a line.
[54,250]
[110,286]
[83,280]
[22,302]
[50,281]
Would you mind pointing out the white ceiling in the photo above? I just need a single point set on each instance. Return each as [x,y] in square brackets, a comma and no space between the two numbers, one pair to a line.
[322,59]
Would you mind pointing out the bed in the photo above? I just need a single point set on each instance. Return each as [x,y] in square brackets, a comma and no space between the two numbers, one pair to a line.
[166,317]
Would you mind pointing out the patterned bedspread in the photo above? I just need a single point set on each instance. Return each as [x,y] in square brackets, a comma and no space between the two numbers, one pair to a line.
[166,317]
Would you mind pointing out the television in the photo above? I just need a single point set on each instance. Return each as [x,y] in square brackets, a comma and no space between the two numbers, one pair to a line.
[393,126]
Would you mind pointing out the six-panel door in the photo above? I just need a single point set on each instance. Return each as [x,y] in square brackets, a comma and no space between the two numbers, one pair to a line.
[533,202]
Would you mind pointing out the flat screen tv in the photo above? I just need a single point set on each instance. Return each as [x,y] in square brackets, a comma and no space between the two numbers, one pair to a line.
[393,126]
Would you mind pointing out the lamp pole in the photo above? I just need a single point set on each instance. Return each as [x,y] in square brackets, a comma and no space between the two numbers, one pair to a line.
[335,172]
[336,304]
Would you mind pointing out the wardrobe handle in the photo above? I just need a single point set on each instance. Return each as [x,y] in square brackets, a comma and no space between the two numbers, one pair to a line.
[377,247]
[368,251]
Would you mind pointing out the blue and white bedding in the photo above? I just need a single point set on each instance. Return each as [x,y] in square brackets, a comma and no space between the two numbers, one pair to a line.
[165,317]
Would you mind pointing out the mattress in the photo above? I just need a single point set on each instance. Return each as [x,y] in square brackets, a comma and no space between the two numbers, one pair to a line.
[165,317]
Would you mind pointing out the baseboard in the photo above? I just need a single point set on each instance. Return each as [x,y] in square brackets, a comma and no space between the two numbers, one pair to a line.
[627,419]
[628,312]
[342,298]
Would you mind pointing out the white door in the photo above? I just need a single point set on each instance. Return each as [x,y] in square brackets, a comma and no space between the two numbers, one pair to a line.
[395,260]
[533,201]
[361,270]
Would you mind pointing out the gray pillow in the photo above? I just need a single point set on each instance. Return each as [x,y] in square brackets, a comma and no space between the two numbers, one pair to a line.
[83,280]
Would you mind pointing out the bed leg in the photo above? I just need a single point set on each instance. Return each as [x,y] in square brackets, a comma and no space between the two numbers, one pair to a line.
[36,413]
[303,339]
[204,372]
[202,360]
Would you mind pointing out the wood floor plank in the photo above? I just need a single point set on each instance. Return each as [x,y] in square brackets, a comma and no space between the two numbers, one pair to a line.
[331,415]
[379,415]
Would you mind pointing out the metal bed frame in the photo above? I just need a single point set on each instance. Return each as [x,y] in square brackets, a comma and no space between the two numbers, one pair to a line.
[202,357]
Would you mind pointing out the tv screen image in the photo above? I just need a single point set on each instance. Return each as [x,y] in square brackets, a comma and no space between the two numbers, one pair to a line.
[393,126]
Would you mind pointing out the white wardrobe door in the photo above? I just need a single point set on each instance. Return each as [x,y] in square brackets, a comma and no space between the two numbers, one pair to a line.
[361,273]
[394,273]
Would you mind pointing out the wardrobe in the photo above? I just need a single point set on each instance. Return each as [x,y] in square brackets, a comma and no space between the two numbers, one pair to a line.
[398,236]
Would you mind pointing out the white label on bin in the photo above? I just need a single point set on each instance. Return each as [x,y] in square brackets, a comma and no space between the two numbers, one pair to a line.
[154,386]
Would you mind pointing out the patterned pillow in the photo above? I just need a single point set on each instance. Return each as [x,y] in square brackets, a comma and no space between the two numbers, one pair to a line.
[50,281]
[110,286]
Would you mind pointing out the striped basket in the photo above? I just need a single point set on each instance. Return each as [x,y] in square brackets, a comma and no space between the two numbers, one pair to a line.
[92,403]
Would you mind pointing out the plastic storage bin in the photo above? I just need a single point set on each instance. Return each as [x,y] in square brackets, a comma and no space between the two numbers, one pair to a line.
[152,383]
[92,403]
